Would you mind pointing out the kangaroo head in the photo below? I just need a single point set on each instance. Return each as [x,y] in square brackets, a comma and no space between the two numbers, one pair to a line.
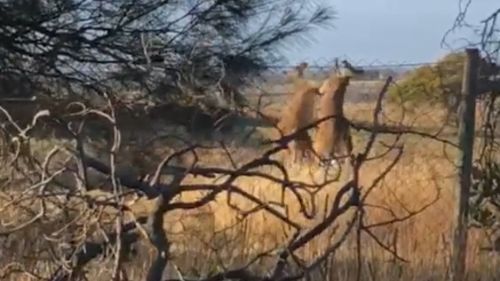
[300,68]
[297,73]
[334,83]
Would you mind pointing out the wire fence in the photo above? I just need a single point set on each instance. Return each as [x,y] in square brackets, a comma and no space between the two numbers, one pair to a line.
[363,88]
[361,64]
[428,101]
[319,69]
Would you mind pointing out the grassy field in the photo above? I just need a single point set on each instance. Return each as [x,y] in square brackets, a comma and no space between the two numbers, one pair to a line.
[214,236]
[425,174]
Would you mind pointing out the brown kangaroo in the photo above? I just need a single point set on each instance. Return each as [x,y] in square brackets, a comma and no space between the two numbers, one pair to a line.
[332,136]
[299,113]
[298,73]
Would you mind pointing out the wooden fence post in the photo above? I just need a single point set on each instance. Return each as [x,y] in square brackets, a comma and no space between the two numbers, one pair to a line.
[464,161]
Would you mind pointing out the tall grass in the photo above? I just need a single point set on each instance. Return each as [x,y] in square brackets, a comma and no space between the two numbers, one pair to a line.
[214,236]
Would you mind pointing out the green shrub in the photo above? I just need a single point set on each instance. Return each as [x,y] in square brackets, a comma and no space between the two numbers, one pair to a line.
[431,83]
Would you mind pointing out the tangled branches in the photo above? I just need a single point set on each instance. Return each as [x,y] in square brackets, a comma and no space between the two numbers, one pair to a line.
[75,223]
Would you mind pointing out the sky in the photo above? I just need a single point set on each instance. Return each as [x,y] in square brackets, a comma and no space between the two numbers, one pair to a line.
[390,31]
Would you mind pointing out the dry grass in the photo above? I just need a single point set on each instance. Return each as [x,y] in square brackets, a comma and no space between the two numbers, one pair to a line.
[204,237]
[424,173]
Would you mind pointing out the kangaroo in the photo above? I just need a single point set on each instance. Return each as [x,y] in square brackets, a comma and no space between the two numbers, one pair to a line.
[333,135]
[297,74]
[298,114]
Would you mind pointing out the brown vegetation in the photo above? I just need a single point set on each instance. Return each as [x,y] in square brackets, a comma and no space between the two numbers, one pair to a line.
[223,207]
[136,172]
[201,237]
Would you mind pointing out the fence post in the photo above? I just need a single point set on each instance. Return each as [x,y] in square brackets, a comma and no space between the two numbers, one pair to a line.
[464,161]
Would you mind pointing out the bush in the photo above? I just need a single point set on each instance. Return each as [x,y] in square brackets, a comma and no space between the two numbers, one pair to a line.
[484,201]
[485,194]
[430,84]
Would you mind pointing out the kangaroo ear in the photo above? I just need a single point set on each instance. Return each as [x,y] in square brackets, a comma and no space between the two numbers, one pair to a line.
[300,68]
[303,65]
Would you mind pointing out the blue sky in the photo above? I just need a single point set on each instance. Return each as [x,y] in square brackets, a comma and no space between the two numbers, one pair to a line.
[390,31]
